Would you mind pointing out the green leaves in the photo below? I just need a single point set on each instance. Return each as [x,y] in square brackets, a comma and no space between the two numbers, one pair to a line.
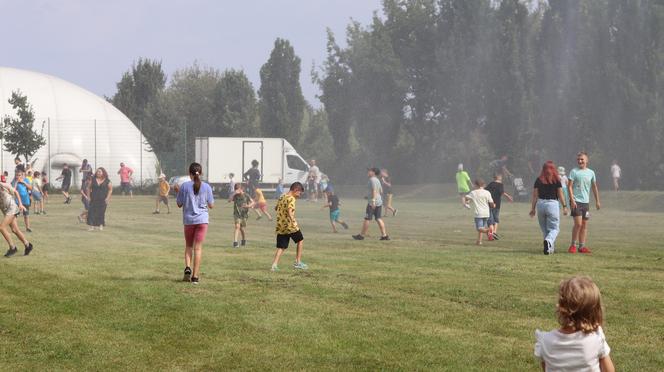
[18,135]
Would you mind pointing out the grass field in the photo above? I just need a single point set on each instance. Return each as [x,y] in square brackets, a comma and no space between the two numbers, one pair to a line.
[427,300]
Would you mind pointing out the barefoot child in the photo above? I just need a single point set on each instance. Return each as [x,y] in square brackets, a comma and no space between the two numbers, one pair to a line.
[333,204]
[260,206]
[288,228]
[11,206]
[241,204]
[579,344]
[481,202]
[162,194]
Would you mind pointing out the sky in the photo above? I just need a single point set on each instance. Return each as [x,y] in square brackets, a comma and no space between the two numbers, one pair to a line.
[93,42]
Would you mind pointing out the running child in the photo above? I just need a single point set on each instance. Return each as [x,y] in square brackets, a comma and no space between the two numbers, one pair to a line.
[287,227]
[481,201]
[195,198]
[260,206]
[579,344]
[38,194]
[333,204]
[497,191]
[23,187]
[162,194]
[581,181]
[241,204]
[463,184]
[11,206]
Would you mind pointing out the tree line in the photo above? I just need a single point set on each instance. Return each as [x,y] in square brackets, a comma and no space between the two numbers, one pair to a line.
[428,84]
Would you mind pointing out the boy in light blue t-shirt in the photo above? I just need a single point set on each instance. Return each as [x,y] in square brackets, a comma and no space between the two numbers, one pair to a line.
[581,181]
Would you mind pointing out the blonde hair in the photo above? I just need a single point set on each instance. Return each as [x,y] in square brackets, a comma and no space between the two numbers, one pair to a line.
[580,304]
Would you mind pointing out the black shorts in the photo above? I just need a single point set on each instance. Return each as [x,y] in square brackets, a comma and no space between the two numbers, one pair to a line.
[65,187]
[284,239]
[581,210]
[374,213]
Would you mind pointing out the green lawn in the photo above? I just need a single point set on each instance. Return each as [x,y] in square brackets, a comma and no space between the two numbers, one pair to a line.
[427,300]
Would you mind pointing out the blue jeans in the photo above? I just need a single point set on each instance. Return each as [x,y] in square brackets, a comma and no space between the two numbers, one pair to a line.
[548,214]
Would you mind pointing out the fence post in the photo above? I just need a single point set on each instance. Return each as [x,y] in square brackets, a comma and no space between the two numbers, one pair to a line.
[95,139]
[140,150]
[48,146]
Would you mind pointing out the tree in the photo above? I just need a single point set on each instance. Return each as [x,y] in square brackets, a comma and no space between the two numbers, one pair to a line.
[138,88]
[17,133]
[281,101]
[235,105]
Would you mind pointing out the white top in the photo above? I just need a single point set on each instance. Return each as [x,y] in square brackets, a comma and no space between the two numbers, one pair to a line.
[616,171]
[571,352]
[481,199]
[314,171]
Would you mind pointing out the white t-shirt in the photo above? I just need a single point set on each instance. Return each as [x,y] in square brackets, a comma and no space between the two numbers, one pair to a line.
[615,171]
[481,199]
[314,171]
[571,352]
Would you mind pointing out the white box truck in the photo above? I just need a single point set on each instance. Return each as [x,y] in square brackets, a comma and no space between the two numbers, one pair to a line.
[277,159]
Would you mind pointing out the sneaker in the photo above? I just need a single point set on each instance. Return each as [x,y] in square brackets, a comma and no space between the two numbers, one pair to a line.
[274,269]
[11,252]
[155,212]
[236,245]
[546,247]
[572,249]
[187,274]
[243,243]
[80,220]
[394,214]
[194,280]
[496,236]
[28,249]
[345,225]
[28,229]
[300,266]
[358,237]
[386,237]
[585,250]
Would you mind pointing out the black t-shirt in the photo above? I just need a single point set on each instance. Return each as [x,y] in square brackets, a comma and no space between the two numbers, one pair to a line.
[253,175]
[19,167]
[547,191]
[496,189]
[66,176]
[334,203]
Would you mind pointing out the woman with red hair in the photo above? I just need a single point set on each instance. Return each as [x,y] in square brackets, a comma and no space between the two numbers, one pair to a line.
[547,196]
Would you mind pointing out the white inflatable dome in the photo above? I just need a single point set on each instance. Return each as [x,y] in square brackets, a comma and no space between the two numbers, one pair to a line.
[77,125]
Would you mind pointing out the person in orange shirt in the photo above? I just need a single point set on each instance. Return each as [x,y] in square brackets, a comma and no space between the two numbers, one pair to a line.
[162,196]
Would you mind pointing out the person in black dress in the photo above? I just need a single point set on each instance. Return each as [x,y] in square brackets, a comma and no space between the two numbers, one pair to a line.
[100,191]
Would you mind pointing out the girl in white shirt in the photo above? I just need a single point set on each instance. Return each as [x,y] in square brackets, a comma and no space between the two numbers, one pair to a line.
[579,344]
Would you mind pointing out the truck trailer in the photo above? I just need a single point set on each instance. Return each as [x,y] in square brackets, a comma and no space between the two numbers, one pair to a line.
[277,159]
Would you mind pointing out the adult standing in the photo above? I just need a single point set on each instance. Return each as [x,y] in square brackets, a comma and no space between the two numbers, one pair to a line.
[547,196]
[374,208]
[463,184]
[100,192]
[581,181]
[65,176]
[195,198]
[314,177]
[252,177]
[125,180]
[86,172]
[616,173]
[386,184]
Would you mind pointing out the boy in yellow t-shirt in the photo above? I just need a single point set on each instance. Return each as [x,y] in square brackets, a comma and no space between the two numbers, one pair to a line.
[162,195]
[288,228]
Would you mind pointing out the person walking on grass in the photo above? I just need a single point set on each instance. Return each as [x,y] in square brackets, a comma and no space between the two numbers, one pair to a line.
[497,192]
[386,184]
[482,202]
[616,173]
[65,176]
[45,186]
[23,187]
[579,344]
[252,177]
[85,200]
[196,199]
[547,196]
[287,228]
[374,208]
[38,194]
[86,172]
[162,194]
[581,181]
[314,180]
[125,180]
[333,203]
[100,192]
[11,206]
[463,184]
[260,205]
[241,204]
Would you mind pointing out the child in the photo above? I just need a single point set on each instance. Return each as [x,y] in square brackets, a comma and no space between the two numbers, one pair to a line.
[579,344]
[260,206]
[195,198]
[85,199]
[37,194]
[162,196]
[288,228]
[45,187]
[482,201]
[231,185]
[333,204]
[386,182]
[279,190]
[23,187]
[564,181]
[241,204]
[11,206]
[463,184]
[497,191]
